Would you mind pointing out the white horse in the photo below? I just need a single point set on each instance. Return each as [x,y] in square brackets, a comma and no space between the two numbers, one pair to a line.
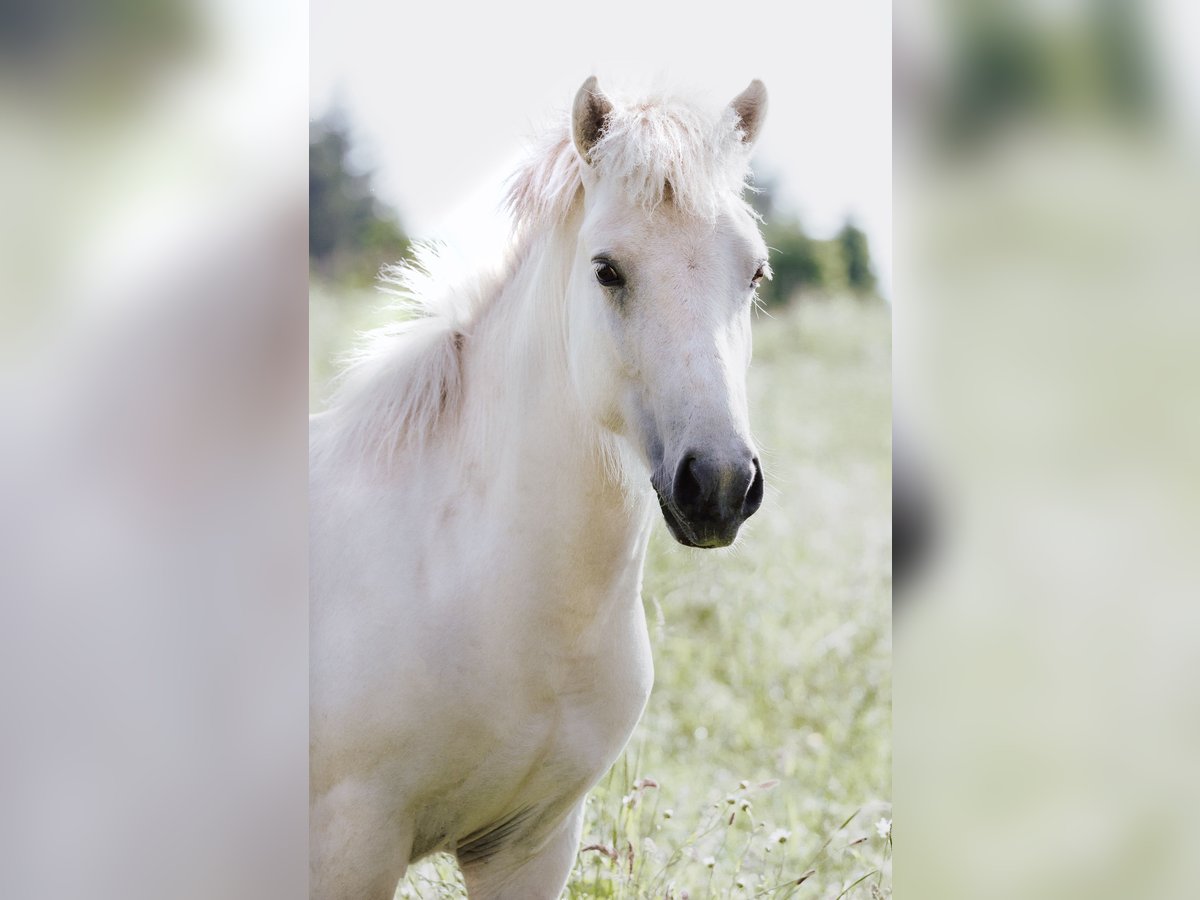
[481,503]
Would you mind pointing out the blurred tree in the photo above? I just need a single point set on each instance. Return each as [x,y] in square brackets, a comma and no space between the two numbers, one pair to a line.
[856,260]
[351,234]
[795,261]
[793,254]
[804,264]
[96,59]
[1118,31]
[1002,72]
[1010,66]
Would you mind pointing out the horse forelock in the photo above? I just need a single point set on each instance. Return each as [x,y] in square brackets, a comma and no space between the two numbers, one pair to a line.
[659,149]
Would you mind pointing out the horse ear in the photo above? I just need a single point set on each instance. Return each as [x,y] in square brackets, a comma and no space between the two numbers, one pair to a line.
[751,108]
[588,115]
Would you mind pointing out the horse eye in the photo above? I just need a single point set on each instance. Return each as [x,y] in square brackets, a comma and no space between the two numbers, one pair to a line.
[759,275]
[608,276]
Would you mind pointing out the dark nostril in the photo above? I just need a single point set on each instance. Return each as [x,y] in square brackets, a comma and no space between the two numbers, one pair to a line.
[706,488]
[687,487]
[754,494]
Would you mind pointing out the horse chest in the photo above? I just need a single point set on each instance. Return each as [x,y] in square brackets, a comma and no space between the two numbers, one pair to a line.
[587,699]
[541,738]
[499,678]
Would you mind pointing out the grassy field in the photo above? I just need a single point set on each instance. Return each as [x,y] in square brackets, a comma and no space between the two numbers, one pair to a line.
[762,766]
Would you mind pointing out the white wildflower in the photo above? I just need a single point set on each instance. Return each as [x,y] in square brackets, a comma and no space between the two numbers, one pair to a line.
[884,827]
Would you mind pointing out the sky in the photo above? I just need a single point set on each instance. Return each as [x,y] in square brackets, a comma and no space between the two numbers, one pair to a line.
[443,97]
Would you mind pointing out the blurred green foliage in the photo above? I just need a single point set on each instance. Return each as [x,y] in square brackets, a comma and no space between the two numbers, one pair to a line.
[78,33]
[92,63]
[856,257]
[804,265]
[351,233]
[1008,66]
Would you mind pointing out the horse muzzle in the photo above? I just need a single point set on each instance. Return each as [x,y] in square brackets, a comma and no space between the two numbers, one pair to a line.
[709,497]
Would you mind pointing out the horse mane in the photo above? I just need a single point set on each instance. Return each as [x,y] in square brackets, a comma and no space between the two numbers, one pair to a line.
[404,379]
[400,380]
[660,148]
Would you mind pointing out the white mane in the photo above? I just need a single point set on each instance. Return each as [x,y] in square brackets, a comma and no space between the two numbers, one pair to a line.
[658,147]
[406,378]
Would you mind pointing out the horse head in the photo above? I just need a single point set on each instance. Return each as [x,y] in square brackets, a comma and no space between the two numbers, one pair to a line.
[665,273]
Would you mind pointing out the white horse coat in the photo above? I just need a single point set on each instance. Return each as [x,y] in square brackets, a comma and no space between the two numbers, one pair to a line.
[481,501]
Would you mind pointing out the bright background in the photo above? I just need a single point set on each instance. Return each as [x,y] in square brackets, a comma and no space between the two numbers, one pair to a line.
[443,97]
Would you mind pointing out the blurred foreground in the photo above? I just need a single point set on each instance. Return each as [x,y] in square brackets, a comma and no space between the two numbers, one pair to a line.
[153,615]
[1047,718]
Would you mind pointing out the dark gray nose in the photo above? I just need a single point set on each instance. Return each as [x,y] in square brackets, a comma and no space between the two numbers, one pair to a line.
[715,494]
